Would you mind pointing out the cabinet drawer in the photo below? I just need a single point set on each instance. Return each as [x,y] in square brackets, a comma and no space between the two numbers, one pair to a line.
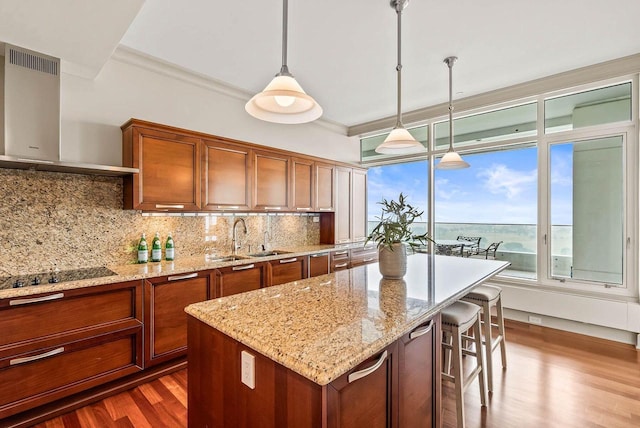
[239,279]
[41,376]
[288,269]
[363,256]
[318,264]
[29,317]
[340,260]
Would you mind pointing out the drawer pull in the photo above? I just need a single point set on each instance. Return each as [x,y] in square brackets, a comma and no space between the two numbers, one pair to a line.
[421,331]
[318,255]
[36,299]
[251,266]
[370,259]
[170,206]
[272,208]
[289,260]
[366,372]
[23,360]
[325,209]
[303,209]
[179,277]
[228,207]
[341,265]
[340,253]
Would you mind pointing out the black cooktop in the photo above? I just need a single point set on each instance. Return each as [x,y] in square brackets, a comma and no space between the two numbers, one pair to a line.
[43,278]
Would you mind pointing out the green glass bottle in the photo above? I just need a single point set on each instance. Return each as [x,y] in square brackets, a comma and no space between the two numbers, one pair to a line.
[143,250]
[156,248]
[169,249]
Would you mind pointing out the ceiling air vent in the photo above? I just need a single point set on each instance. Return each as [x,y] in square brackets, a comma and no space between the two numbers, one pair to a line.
[33,62]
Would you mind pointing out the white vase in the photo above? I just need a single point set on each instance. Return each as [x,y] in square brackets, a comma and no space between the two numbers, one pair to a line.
[393,262]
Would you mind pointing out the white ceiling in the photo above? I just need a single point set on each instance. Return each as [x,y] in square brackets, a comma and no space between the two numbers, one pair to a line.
[343,53]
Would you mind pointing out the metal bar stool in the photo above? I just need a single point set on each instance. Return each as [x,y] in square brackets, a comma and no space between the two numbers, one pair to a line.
[457,318]
[487,296]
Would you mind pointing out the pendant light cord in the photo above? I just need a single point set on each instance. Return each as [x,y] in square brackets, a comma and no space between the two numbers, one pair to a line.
[450,60]
[284,70]
[399,66]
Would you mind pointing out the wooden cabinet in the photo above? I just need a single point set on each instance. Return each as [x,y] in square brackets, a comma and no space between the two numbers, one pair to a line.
[397,387]
[359,205]
[343,205]
[287,270]
[302,184]
[324,187]
[366,395]
[363,256]
[165,322]
[227,176]
[169,164]
[417,373]
[349,222]
[340,260]
[239,279]
[318,264]
[60,343]
[271,181]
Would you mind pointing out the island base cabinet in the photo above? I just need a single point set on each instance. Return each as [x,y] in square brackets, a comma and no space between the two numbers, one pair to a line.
[368,396]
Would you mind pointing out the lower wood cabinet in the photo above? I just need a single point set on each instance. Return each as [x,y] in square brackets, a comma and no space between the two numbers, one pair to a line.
[318,264]
[287,269]
[239,279]
[340,260]
[165,322]
[57,344]
[363,256]
[398,387]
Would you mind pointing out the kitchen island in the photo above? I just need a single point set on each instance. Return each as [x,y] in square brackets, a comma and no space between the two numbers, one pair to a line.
[344,349]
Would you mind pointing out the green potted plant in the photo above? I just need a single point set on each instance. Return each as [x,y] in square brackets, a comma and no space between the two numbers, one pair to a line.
[392,235]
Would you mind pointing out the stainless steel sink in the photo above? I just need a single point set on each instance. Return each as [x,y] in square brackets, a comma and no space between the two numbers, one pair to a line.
[229,258]
[267,253]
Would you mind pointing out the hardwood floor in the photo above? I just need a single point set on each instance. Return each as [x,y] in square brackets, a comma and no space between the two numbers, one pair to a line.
[553,379]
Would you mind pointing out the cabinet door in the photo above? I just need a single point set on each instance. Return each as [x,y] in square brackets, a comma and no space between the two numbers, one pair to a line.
[239,279]
[325,187]
[318,264]
[169,177]
[417,376]
[359,205]
[288,270]
[365,396]
[343,205]
[226,176]
[165,320]
[302,184]
[271,181]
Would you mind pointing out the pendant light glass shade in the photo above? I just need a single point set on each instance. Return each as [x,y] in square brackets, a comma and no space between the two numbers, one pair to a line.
[283,100]
[451,159]
[399,141]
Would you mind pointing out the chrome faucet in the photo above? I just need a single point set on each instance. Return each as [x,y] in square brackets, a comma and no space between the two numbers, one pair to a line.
[234,242]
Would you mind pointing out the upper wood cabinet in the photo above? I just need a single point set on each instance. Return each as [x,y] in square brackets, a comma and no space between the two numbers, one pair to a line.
[169,164]
[349,221]
[343,205]
[302,184]
[358,205]
[325,187]
[226,176]
[271,178]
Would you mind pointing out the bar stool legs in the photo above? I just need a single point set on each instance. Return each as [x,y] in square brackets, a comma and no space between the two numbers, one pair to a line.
[456,320]
[487,296]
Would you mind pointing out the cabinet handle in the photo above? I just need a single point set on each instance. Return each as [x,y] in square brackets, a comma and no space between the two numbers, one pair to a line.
[179,277]
[340,253]
[174,206]
[318,255]
[366,372]
[23,360]
[36,299]
[272,208]
[369,259]
[289,260]
[228,207]
[421,330]
[325,209]
[251,266]
[303,209]
[340,265]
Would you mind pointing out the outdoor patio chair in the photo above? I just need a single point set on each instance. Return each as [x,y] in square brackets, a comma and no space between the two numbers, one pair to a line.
[473,246]
[490,251]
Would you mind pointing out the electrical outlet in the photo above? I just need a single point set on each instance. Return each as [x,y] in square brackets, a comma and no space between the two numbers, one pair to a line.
[316,219]
[248,364]
[535,320]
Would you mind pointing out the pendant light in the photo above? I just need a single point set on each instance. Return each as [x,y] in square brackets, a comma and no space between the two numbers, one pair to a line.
[451,159]
[283,100]
[399,141]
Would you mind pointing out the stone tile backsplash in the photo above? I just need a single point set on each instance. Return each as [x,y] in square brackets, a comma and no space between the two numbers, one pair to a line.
[77,221]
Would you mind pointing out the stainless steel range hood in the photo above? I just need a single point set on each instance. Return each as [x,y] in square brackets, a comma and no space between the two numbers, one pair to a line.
[31,119]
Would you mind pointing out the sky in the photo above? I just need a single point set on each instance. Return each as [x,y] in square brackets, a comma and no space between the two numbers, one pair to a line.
[499,188]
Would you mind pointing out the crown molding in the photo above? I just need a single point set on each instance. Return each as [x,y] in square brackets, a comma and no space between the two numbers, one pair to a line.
[581,76]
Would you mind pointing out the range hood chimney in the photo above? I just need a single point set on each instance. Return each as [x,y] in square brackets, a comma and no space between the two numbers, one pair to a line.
[31,137]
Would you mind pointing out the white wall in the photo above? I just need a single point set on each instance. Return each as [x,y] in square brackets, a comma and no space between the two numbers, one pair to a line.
[132,86]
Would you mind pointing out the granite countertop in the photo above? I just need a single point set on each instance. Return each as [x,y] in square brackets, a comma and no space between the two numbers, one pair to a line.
[324,326]
[150,270]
